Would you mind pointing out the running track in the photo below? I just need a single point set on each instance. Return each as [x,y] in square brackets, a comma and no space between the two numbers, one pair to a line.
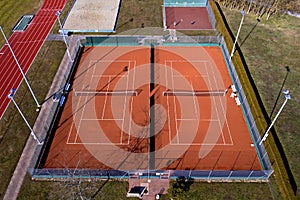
[26,46]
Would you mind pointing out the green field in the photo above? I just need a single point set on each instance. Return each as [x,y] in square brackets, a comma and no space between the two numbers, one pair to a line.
[73,189]
[12,11]
[271,46]
[201,190]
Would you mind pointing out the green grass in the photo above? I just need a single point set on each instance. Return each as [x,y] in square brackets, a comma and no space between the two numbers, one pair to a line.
[12,11]
[136,14]
[274,44]
[98,190]
[211,191]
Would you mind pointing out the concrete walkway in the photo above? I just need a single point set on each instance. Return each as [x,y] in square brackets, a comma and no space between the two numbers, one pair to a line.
[155,186]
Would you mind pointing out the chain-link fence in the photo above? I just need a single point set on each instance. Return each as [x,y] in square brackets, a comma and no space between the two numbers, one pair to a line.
[261,151]
[211,15]
[185,3]
[55,100]
[167,40]
[208,175]
[39,172]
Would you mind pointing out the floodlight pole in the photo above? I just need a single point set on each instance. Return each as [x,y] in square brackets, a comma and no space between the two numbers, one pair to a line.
[249,6]
[287,97]
[63,34]
[20,68]
[237,35]
[164,18]
[11,96]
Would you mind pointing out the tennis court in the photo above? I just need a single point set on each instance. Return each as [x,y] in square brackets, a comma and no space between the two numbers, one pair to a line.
[152,108]
[188,15]
[188,18]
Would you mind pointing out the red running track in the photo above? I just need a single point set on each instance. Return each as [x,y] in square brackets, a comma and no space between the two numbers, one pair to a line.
[26,46]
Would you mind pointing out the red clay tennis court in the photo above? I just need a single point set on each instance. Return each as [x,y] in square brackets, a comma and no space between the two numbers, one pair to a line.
[152,107]
[187,18]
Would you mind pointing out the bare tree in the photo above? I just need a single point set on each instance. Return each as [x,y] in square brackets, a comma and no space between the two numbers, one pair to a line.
[262,8]
[73,185]
[273,9]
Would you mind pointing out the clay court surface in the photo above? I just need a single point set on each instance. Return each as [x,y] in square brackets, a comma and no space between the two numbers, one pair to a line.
[187,18]
[106,122]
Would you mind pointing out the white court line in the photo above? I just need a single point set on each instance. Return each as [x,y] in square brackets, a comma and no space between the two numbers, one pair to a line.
[108,61]
[201,120]
[105,100]
[131,108]
[81,116]
[202,144]
[168,105]
[194,97]
[104,108]
[181,119]
[205,62]
[124,107]
[215,107]
[99,119]
[77,106]
[189,76]
[99,143]
[95,62]
[195,101]
[191,62]
[188,61]
[224,112]
[105,76]
[175,111]
[184,75]
[181,144]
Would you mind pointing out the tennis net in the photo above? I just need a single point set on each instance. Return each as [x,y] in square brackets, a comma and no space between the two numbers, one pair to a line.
[194,93]
[107,93]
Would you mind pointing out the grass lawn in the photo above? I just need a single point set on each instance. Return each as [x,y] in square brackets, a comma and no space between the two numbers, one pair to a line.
[135,14]
[203,190]
[273,45]
[69,189]
[12,11]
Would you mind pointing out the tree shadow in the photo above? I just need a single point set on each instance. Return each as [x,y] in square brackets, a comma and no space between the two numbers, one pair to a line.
[101,186]
[184,182]
[179,187]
